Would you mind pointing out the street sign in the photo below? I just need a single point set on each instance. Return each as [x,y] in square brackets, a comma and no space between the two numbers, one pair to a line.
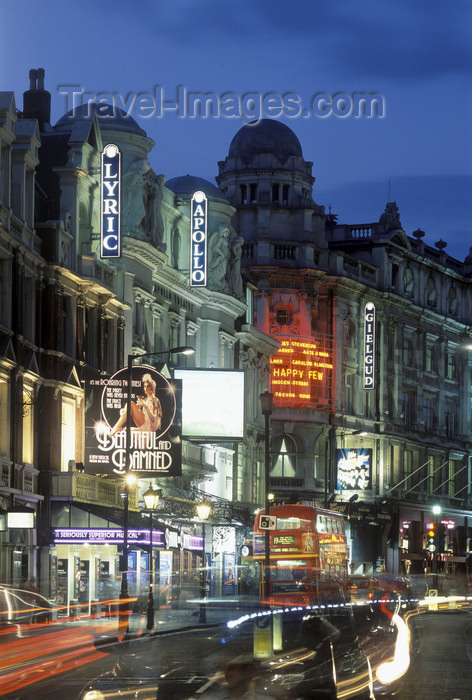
[267,522]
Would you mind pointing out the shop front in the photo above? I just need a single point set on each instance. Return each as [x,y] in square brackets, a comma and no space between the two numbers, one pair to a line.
[83,567]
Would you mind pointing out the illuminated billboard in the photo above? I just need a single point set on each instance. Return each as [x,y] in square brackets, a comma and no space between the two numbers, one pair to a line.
[198,242]
[155,425]
[110,205]
[354,467]
[303,372]
[212,404]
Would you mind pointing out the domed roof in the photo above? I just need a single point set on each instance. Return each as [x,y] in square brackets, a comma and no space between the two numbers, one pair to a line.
[109,117]
[188,184]
[265,136]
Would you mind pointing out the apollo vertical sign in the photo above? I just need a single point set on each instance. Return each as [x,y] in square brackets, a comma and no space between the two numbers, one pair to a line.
[110,192]
[369,346]
[198,242]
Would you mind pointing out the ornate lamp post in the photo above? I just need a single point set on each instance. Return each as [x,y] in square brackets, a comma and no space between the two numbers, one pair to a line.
[181,350]
[436,512]
[203,511]
[267,402]
[151,499]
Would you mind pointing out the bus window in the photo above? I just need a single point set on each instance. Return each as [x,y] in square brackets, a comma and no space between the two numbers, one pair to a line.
[321,525]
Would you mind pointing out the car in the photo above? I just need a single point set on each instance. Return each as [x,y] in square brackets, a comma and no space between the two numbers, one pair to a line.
[301,651]
[21,606]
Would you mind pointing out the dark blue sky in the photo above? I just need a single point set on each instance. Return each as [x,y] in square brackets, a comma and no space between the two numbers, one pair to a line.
[416,55]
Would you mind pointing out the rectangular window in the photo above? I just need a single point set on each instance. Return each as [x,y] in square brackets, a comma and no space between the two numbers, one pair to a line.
[428,359]
[407,352]
[4,419]
[249,306]
[407,468]
[428,415]
[449,420]
[450,366]
[406,411]
[67,433]
[28,415]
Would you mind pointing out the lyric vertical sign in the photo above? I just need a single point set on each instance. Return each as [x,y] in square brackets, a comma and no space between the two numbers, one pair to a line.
[198,242]
[110,205]
[369,346]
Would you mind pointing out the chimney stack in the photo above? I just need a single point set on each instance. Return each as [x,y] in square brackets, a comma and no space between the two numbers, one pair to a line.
[37,100]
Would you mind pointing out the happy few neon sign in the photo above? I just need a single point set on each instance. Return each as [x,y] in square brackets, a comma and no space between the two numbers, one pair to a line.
[369,346]
[198,242]
[110,205]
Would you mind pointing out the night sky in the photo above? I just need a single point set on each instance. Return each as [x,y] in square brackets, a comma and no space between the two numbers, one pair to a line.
[415,55]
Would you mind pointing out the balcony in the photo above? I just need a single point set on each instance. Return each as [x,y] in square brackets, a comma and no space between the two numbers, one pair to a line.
[86,488]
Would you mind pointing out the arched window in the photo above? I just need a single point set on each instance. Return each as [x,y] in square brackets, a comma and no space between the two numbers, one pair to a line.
[431,291]
[452,301]
[284,460]
[408,284]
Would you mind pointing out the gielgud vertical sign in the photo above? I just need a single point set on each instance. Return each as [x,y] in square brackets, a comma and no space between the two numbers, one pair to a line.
[155,424]
[369,346]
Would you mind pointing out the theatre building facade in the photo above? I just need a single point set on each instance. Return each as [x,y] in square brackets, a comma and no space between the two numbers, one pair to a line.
[361,331]
[372,382]
[70,317]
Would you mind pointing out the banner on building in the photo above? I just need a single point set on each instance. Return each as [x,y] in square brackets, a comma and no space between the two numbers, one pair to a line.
[155,425]
[110,202]
[198,240]
[369,346]
[354,469]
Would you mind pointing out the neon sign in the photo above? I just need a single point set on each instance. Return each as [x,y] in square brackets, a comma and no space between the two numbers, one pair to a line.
[198,242]
[110,206]
[302,372]
[369,346]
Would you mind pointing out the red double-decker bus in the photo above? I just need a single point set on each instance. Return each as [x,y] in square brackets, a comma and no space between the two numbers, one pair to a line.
[308,544]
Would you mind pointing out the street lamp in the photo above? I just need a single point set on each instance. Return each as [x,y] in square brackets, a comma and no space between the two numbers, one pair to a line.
[181,350]
[151,499]
[203,511]
[436,512]
[267,401]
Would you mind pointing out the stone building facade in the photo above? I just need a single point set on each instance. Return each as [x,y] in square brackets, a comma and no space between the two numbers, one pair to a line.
[315,280]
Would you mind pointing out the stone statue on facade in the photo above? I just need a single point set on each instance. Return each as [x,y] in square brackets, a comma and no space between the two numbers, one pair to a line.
[218,256]
[391,217]
[134,210]
[153,194]
[234,267]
